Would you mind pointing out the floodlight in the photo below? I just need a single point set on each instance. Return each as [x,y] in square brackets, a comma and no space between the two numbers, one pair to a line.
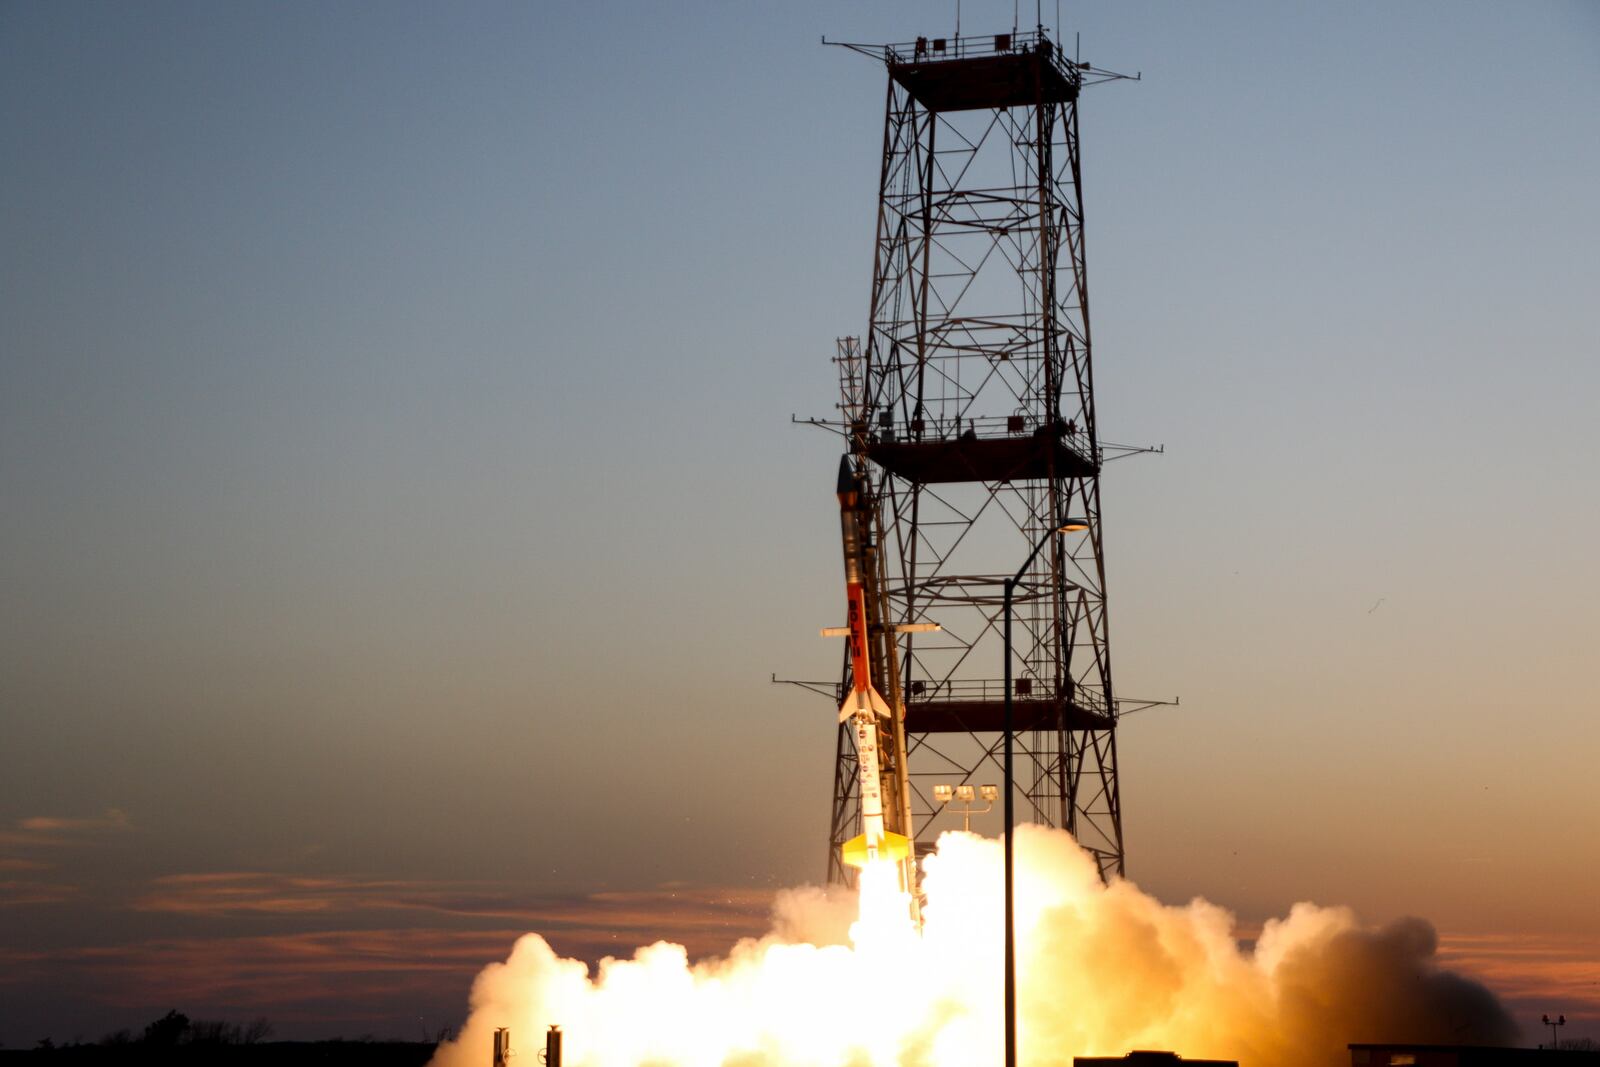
[942,793]
[965,792]
[988,792]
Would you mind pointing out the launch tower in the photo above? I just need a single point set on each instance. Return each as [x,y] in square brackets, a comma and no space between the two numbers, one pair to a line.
[969,413]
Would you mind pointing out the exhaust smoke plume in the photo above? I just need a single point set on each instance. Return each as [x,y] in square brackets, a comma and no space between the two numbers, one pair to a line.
[1101,970]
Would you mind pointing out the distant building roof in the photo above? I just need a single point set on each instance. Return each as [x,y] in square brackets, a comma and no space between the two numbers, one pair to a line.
[1143,1058]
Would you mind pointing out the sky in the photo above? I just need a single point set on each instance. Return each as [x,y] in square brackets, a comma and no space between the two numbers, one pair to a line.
[404,516]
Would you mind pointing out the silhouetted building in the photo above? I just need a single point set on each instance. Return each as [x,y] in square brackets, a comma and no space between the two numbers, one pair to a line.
[1467,1056]
[1147,1059]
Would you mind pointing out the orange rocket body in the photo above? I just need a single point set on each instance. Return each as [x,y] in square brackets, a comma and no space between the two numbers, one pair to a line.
[863,706]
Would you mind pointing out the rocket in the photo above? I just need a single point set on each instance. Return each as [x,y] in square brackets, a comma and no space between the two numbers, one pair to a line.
[863,706]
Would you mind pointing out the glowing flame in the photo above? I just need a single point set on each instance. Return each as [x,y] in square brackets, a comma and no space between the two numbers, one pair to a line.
[1101,970]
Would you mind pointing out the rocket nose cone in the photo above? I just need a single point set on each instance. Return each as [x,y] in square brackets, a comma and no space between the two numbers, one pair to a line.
[847,488]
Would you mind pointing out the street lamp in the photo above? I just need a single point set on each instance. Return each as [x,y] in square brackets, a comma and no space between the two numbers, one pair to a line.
[1559,1020]
[1068,526]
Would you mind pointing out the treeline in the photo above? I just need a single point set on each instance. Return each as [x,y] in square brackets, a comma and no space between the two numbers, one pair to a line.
[176,1028]
[176,1039]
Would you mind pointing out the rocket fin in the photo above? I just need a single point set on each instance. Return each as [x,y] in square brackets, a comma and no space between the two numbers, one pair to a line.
[855,853]
[870,701]
[879,705]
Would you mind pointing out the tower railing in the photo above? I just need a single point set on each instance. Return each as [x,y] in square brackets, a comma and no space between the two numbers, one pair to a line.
[974,46]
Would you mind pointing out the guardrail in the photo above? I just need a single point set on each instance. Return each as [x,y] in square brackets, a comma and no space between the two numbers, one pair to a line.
[993,689]
[936,49]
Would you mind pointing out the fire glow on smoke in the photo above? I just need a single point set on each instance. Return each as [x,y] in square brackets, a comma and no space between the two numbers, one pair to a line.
[1101,970]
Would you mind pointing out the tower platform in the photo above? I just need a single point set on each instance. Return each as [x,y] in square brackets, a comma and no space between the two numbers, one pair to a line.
[979,707]
[1006,70]
[970,458]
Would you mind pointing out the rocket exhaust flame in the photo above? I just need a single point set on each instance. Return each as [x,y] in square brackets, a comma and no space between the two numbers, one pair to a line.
[1102,970]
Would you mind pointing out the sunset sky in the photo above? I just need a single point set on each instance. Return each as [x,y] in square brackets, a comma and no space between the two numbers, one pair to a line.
[402,515]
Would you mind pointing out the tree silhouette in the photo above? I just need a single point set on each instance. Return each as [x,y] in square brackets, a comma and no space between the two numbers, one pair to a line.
[168,1030]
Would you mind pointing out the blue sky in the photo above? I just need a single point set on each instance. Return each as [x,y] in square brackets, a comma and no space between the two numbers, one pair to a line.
[394,429]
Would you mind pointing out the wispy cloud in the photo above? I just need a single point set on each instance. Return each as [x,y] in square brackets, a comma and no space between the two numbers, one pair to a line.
[1537,973]
[330,974]
[56,831]
[708,916]
[16,894]
[21,845]
[113,819]
[345,973]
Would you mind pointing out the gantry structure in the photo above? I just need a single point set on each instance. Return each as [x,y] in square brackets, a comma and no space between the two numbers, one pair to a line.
[968,410]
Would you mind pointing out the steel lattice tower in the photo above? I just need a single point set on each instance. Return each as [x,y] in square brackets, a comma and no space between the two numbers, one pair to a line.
[969,410]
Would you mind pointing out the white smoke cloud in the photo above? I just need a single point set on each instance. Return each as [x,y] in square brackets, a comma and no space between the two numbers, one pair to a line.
[1102,970]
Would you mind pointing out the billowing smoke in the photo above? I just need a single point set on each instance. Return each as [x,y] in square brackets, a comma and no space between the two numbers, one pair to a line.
[1101,970]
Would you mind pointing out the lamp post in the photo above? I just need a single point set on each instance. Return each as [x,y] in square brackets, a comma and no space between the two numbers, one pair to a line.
[943,794]
[1069,526]
[1559,1020]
